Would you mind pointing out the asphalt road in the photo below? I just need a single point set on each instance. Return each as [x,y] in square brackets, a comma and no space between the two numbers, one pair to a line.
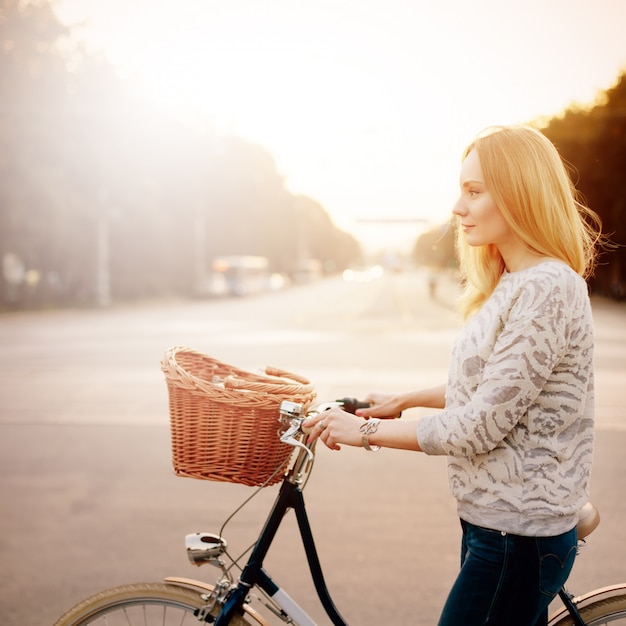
[88,498]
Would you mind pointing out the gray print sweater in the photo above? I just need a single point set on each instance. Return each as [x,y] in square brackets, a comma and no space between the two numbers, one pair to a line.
[519,418]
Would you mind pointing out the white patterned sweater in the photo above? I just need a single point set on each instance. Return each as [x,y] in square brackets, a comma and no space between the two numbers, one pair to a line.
[519,418]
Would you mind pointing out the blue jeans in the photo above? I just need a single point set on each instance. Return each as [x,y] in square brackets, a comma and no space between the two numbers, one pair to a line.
[507,580]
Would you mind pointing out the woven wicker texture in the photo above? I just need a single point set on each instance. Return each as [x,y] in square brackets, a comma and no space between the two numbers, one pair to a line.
[224,420]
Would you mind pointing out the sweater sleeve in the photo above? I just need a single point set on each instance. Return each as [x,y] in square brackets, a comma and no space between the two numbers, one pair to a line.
[527,348]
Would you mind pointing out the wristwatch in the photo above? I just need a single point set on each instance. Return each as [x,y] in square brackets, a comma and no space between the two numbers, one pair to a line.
[369,428]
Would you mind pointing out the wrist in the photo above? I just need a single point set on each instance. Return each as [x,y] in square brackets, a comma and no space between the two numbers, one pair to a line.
[367,429]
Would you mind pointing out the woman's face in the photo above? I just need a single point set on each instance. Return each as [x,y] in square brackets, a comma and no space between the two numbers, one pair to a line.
[479,217]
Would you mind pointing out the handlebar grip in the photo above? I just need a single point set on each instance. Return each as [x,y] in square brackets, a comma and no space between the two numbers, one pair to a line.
[350,405]
[306,431]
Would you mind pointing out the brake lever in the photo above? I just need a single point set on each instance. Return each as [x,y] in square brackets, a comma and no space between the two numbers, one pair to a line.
[289,437]
[293,412]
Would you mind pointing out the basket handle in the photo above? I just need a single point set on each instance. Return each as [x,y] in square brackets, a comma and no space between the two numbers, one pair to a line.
[283,387]
[275,371]
[285,383]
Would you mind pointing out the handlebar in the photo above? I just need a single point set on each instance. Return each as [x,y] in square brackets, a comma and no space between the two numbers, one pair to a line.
[351,405]
[292,417]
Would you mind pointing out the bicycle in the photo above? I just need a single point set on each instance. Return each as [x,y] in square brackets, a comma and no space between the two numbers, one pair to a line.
[228,601]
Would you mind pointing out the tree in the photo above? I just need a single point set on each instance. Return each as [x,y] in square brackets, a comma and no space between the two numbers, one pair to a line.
[34,94]
[593,141]
[436,247]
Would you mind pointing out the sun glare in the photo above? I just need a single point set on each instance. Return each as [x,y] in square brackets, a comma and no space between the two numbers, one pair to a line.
[365,106]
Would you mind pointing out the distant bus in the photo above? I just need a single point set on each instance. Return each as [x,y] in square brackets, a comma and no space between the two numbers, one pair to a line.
[238,275]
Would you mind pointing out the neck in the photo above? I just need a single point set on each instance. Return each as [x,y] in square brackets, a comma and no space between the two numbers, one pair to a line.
[519,259]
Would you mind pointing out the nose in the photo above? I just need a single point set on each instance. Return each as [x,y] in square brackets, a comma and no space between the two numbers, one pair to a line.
[459,208]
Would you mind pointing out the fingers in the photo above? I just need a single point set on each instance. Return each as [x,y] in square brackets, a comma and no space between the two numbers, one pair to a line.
[385,410]
[376,410]
[318,428]
[314,426]
[380,404]
[326,437]
[309,426]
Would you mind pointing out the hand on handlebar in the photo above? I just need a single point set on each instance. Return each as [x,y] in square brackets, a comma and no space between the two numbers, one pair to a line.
[337,424]
[382,405]
[334,426]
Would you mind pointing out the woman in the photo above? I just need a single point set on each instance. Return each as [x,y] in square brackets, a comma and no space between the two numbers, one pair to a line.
[516,418]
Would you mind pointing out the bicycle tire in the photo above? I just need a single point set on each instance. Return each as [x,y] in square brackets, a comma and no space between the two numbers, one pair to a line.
[144,604]
[601,611]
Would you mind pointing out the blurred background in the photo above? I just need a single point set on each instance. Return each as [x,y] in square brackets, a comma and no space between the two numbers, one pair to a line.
[161,161]
[201,148]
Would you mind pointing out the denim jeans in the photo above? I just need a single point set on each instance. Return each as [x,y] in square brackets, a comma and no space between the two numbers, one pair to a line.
[507,580]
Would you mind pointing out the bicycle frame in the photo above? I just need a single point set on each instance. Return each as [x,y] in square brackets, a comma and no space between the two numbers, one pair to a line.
[289,496]
[571,607]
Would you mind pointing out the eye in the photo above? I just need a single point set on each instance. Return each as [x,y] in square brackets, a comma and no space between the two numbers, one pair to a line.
[472,193]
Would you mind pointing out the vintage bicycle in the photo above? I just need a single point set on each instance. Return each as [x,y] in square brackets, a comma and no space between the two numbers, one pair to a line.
[229,599]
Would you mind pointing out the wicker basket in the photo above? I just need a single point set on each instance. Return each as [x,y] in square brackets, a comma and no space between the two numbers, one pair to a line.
[224,420]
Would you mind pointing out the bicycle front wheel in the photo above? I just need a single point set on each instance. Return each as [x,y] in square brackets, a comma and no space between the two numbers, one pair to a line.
[140,604]
[609,608]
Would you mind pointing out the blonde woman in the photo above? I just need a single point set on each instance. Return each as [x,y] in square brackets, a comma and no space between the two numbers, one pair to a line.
[516,415]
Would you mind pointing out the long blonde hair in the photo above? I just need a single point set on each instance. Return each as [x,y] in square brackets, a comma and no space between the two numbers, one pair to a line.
[531,187]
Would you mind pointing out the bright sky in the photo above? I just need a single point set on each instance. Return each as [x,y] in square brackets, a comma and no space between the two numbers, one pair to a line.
[366,105]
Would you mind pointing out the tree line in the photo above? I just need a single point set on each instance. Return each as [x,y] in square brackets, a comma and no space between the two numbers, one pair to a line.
[105,196]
